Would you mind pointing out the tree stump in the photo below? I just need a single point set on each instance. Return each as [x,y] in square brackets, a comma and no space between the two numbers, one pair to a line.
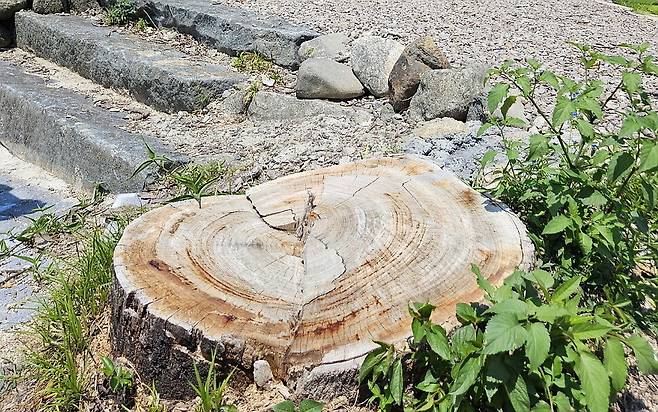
[305,271]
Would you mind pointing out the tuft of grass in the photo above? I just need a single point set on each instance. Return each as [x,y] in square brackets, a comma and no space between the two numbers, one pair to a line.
[120,12]
[256,63]
[76,294]
[211,390]
[253,88]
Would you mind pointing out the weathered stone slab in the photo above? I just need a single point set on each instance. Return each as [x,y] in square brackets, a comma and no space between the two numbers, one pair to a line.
[65,134]
[230,29]
[153,74]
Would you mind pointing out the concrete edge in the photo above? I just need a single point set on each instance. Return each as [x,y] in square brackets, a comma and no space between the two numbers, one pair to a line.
[65,134]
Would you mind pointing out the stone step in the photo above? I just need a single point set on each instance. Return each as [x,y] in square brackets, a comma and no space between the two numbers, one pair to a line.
[230,29]
[153,74]
[65,134]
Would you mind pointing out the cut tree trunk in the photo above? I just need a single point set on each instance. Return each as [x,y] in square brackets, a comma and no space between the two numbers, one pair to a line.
[305,271]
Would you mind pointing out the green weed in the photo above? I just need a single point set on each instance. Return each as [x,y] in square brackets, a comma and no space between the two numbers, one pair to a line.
[76,293]
[589,202]
[211,391]
[120,12]
[119,378]
[255,63]
[306,405]
[531,347]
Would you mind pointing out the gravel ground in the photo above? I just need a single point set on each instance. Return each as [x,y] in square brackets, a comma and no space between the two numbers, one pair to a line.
[484,31]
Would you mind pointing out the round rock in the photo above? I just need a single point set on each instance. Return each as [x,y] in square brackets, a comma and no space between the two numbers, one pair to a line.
[373,59]
[327,79]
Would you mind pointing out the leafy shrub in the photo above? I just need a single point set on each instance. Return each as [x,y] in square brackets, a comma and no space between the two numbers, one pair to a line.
[533,347]
[587,186]
[120,12]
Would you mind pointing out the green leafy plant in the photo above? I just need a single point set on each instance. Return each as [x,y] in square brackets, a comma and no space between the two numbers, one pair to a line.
[306,405]
[76,293]
[256,63]
[211,390]
[194,181]
[587,185]
[120,12]
[532,347]
[119,378]
[153,401]
[141,24]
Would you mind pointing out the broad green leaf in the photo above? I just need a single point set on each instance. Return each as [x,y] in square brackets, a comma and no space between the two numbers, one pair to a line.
[421,310]
[509,101]
[556,225]
[372,359]
[436,338]
[585,331]
[488,157]
[517,392]
[503,333]
[285,406]
[630,126]
[631,81]
[564,109]
[465,313]
[541,406]
[467,375]
[396,384]
[644,354]
[515,122]
[496,96]
[619,165]
[309,405]
[615,362]
[586,243]
[550,79]
[585,128]
[515,306]
[537,345]
[483,283]
[462,341]
[591,105]
[566,289]
[648,157]
[562,403]
[541,277]
[594,381]
[548,313]
[482,130]
[418,330]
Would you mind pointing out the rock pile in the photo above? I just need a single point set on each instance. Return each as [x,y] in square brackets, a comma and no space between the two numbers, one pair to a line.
[417,77]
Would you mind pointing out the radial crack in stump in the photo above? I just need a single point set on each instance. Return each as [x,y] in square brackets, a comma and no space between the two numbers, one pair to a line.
[305,271]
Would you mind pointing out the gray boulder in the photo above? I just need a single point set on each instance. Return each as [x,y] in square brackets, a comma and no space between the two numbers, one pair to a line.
[84,5]
[9,7]
[373,59]
[329,46]
[48,6]
[5,36]
[418,58]
[281,107]
[447,93]
[327,79]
